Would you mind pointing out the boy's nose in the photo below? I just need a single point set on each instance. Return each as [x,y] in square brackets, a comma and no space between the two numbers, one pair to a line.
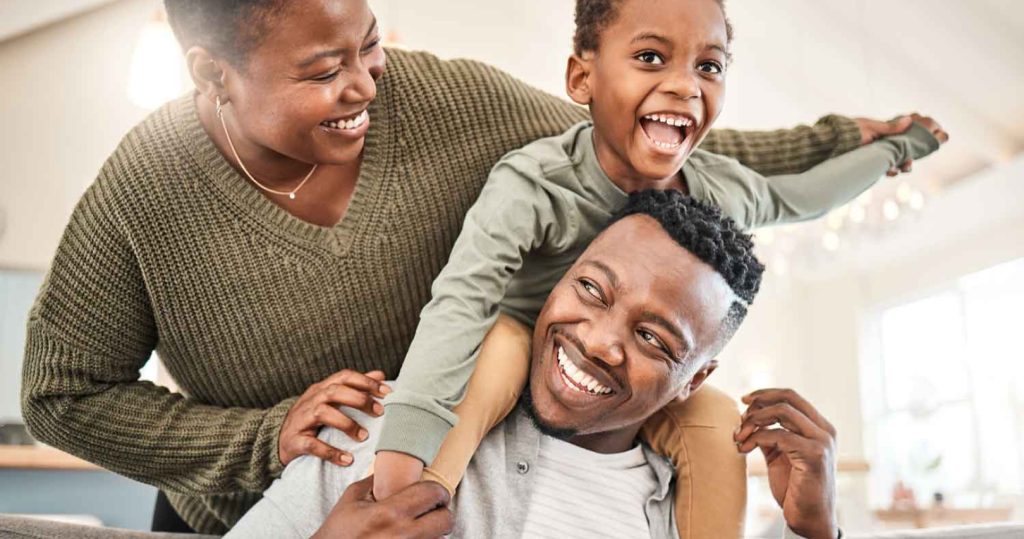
[683,84]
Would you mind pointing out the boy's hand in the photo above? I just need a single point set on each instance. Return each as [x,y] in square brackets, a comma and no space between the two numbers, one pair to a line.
[800,455]
[872,130]
[393,472]
[318,407]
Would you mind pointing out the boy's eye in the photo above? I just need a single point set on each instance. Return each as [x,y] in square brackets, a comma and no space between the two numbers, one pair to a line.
[650,57]
[713,68]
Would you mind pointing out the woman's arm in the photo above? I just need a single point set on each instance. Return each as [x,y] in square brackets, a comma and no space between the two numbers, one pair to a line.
[89,332]
[786,151]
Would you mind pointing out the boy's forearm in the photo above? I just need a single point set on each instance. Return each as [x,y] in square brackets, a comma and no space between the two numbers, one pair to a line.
[798,197]
[786,151]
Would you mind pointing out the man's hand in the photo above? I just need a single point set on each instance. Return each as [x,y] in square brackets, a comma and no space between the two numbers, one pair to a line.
[800,457]
[394,472]
[872,130]
[318,407]
[419,511]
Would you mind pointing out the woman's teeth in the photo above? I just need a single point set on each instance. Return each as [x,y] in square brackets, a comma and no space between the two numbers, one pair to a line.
[581,379]
[351,123]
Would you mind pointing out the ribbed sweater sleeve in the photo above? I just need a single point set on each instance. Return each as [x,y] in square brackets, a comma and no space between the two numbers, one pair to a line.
[89,333]
[786,151]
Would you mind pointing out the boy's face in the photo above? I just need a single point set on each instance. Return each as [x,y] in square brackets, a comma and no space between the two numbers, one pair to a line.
[655,86]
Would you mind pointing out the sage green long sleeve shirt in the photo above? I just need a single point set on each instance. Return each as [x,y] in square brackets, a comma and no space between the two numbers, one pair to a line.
[538,211]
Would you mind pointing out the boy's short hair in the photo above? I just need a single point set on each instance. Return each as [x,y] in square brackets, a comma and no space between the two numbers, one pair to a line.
[593,16]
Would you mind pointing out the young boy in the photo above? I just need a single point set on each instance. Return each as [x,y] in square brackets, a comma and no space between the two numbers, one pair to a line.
[652,73]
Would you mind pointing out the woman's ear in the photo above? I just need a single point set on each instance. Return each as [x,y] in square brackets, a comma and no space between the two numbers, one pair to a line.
[577,78]
[207,73]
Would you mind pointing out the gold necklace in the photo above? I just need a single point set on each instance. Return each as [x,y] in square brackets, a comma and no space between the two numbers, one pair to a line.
[290,194]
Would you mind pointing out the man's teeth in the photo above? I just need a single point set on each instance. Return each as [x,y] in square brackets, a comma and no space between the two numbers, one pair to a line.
[572,372]
[677,121]
[351,123]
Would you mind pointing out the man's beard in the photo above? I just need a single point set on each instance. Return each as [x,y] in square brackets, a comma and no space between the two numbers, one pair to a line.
[526,401]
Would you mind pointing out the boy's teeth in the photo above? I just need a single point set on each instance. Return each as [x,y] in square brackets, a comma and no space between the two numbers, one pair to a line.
[571,371]
[669,120]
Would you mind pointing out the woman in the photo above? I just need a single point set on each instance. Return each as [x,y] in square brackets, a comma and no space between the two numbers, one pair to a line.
[275,234]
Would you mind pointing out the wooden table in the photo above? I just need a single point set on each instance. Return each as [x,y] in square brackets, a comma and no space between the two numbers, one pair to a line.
[32,457]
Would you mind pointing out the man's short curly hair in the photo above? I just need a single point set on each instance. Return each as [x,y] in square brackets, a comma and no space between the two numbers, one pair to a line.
[227,28]
[710,236]
[593,16]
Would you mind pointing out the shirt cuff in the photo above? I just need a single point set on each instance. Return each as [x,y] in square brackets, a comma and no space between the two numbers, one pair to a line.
[413,431]
[848,137]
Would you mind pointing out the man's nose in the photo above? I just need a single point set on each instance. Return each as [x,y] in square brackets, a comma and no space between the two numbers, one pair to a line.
[602,342]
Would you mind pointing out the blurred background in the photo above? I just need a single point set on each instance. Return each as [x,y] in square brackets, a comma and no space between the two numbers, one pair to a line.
[897,315]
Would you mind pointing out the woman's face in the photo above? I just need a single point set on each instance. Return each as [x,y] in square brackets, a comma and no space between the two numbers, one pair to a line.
[304,89]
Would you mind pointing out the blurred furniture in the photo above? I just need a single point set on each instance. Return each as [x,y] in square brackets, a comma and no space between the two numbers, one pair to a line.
[34,457]
[934,517]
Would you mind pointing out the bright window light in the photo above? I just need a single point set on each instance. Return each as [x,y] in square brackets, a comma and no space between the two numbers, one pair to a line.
[157,71]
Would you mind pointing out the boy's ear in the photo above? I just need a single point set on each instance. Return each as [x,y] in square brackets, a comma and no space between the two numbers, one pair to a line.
[207,72]
[700,377]
[577,78]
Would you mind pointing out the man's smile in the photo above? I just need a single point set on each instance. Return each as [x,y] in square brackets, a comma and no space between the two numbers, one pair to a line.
[575,382]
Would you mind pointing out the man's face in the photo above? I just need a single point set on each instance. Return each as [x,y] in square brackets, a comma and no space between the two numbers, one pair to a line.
[656,84]
[625,331]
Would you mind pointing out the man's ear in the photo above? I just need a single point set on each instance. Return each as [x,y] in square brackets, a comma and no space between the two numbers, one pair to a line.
[699,378]
[207,72]
[577,78]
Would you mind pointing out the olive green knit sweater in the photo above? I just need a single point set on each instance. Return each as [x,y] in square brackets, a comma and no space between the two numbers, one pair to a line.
[171,250]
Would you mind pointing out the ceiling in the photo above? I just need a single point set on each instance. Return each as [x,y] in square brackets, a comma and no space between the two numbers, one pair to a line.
[20,16]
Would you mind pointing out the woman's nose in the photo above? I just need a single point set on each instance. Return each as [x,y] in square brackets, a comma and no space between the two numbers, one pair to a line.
[361,86]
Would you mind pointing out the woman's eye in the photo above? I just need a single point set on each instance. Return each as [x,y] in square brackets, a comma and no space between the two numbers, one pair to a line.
[652,58]
[372,45]
[713,68]
[326,77]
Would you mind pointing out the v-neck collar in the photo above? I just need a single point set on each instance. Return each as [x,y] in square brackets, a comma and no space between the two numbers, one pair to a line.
[244,196]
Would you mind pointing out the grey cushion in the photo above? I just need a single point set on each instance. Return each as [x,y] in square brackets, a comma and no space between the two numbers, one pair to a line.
[12,527]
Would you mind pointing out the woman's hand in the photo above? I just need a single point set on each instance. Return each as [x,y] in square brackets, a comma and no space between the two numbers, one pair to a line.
[318,407]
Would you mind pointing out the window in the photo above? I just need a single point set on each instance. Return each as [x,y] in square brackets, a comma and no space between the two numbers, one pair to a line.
[943,392]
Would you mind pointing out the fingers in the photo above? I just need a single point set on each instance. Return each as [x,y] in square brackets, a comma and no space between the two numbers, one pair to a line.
[360,491]
[766,397]
[931,125]
[436,523]
[420,498]
[783,414]
[309,445]
[327,415]
[372,382]
[339,395]
[907,166]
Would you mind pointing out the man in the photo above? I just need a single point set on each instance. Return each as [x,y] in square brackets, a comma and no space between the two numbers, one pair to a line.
[636,322]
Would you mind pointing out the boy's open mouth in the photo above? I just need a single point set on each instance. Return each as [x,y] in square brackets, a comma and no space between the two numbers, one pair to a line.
[667,131]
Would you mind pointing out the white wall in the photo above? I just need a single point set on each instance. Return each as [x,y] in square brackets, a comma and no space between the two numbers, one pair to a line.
[63,108]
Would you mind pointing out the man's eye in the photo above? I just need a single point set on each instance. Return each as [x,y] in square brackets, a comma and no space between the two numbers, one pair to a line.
[591,289]
[649,338]
[713,68]
[652,58]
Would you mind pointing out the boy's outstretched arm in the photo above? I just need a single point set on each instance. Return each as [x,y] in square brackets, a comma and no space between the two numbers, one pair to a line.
[797,149]
[756,200]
